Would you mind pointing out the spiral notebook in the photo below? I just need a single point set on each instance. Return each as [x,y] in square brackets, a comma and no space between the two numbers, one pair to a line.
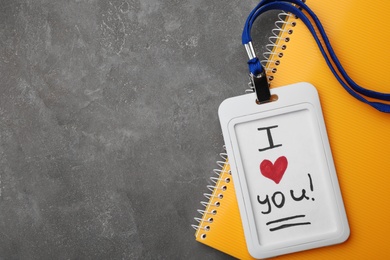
[358,134]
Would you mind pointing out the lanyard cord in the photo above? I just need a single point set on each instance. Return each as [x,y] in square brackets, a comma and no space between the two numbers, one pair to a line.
[257,71]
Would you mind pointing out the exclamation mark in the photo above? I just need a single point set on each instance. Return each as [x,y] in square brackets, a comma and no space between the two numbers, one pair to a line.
[311,185]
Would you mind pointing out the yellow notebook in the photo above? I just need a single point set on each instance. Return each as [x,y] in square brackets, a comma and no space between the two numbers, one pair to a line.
[359,135]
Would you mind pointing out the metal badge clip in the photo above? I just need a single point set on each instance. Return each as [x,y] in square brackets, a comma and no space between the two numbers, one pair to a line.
[259,84]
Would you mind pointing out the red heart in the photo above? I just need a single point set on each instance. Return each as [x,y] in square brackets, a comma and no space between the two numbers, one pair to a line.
[274,171]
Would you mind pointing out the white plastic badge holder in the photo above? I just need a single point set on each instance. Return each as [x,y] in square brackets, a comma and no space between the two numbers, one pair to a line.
[283,172]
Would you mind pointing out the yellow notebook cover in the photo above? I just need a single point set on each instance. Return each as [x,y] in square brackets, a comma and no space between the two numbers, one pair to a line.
[359,135]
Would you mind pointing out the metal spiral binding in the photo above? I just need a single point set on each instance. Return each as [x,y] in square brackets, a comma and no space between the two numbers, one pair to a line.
[213,199]
[274,51]
[275,47]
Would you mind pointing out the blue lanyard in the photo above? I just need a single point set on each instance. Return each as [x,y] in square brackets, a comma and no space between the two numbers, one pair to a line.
[257,72]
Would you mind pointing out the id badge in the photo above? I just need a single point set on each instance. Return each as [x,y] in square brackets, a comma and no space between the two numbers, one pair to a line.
[283,172]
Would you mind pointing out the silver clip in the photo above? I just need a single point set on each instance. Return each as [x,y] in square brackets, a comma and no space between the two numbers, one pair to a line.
[250,50]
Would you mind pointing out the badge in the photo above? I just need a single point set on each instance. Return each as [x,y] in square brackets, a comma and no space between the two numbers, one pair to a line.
[283,172]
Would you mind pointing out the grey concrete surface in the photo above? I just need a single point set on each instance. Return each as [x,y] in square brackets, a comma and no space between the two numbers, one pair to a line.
[108,123]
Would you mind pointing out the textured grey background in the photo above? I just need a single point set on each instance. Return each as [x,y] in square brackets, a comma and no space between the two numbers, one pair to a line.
[108,123]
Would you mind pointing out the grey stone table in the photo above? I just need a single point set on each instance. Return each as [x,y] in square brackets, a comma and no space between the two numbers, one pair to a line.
[108,123]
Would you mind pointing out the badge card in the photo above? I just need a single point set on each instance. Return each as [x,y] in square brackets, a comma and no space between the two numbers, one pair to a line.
[283,172]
